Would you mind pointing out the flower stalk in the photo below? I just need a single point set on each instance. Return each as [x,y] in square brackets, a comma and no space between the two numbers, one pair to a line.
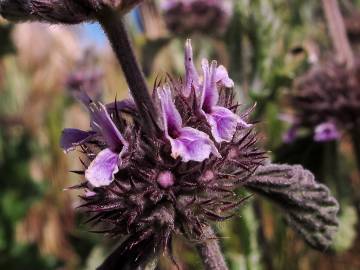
[338,32]
[356,146]
[114,28]
[209,251]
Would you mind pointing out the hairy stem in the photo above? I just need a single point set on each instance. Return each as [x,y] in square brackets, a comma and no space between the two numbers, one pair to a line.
[356,146]
[337,32]
[115,30]
[209,251]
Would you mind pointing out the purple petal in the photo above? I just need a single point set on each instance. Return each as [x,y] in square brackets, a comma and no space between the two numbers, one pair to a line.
[71,137]
[82,97]
[192,144]
[127,105]
[222,77]
[171,117]
[223,123]
[103,168]
[210,94]
[104,124]
[191,75]
[326,132]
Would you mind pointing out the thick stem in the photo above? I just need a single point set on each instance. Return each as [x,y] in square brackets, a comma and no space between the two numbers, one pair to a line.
[114,28]
[355,134]
[209,251]
[338,32]
[356,146]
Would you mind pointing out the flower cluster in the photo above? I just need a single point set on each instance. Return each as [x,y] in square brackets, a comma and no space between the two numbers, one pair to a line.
[150,188]
[202,16]
[327,100]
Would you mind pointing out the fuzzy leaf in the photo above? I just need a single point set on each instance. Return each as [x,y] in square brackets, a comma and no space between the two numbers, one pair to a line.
[309,207]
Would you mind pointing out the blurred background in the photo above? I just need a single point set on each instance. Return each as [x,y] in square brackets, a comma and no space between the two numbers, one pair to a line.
[268,46]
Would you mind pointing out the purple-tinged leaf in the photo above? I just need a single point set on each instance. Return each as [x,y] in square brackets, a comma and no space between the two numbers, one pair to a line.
[308,206]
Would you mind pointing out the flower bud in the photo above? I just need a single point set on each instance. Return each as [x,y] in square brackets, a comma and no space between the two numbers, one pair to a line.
[60,11]
[204,16]
[165,179]
[327,100]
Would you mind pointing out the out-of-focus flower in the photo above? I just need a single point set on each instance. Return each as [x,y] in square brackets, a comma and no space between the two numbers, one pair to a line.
[327,100]
[60,11]
[149,188]
[326,132]
[204,16]
[87,77]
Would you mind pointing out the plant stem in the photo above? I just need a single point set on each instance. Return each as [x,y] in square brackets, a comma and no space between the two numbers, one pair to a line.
[114,28]
[338,32]
[356,146]
[209,251]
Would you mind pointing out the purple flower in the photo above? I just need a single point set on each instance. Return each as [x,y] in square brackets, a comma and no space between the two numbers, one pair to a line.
[186,142]
[102,169]
[154,191]
[192,79]
[106,164]
[326,132]
[223,121]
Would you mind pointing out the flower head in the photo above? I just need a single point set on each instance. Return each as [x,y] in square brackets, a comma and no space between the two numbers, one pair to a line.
[201,15]
[327,100]
[150,188]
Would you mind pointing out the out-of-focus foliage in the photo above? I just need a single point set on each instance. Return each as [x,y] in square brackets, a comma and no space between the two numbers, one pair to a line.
[266,46]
